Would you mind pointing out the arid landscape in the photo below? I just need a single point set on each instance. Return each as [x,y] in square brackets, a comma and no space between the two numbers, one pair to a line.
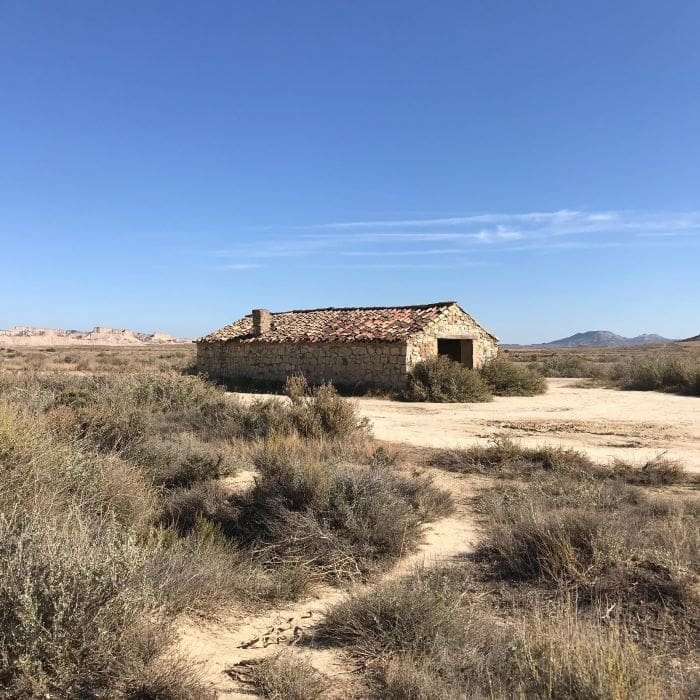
[311,546]
[349,350]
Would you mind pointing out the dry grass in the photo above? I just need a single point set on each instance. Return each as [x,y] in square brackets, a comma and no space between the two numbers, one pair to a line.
[674,367]
[583,586]
[98,359]
[284,676]
[435,634]
[504,458]
[114,519]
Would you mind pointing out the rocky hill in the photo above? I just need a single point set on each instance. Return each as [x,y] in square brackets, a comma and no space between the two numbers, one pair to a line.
[28,336]
[605,339]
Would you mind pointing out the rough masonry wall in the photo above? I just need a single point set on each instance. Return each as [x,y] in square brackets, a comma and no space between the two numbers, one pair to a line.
[453,322]
[378,364]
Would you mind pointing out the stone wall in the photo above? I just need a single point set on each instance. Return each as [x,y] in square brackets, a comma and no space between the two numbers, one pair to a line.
[453,322]
[377,364]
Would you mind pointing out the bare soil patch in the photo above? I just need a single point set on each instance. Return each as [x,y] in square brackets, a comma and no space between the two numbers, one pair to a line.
[604,423]
[224,647]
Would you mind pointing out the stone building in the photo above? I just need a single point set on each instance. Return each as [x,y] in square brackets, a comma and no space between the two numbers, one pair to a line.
[374,346]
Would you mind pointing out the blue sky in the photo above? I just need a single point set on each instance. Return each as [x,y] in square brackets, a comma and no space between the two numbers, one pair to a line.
[170,165]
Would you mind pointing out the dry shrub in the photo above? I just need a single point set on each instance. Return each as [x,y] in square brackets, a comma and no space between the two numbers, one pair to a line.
[40,468]
[323,413]
[569,366]
[561,547]
[184,507]
[681,376]
[432,635]
[506,458]
[604,540]
[337,518]
[659,471]
[287,676]
[76,615]
[506,378]
[561,655]
[181,460]
[440,379]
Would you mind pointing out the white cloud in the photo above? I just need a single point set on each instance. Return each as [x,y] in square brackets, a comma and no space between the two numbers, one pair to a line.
[537,231]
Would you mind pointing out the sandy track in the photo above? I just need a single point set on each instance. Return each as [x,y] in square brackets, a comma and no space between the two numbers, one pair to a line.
[605,423]
[239,637]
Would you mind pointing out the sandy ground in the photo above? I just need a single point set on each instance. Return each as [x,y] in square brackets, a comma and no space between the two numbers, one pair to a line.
[238,638]
[605,423]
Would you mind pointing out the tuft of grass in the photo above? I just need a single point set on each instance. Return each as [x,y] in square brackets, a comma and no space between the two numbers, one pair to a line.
[440,379]
[425,634]
[659,471]
[505,458]
[505,378]
[287,676]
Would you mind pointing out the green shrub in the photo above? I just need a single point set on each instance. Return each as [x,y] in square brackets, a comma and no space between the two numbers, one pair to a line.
[440,379]
[506,378]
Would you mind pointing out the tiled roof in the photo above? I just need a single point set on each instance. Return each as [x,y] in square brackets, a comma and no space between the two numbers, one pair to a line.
[390,324]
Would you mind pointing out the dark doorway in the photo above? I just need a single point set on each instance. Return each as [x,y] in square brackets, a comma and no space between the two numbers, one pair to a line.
[457,349]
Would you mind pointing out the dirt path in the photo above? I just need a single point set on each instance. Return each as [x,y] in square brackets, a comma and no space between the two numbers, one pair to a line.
[605,423]
[219,646]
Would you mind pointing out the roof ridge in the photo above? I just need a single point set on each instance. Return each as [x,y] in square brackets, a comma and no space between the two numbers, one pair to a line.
[365,308]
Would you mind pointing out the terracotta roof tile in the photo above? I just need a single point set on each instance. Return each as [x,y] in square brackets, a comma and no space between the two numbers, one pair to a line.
[390,324]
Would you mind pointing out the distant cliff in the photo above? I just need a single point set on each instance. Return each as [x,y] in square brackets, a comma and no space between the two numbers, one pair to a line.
[27,335]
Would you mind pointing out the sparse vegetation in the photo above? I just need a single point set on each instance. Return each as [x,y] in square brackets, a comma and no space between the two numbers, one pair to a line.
[506,378]
[115,518]
[585,583]
[674,368]
[286,677]
[443,380]
[504,458]
[679,376]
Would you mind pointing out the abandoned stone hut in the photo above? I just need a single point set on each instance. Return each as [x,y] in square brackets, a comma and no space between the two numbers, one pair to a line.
[374,346]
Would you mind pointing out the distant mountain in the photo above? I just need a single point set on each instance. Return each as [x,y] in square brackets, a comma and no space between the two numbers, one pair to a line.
[28,336]
[605,339]
[694,339]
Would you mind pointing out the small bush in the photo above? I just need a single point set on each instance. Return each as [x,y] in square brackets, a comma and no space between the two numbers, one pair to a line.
[286,676]
[506,378]
[76,615]
[440,379]
[339,519]
[562,547]
[180,461]
[505,458]
[659,471]
[569,366]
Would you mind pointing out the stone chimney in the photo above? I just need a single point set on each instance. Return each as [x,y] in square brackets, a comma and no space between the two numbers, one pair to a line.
[261,321]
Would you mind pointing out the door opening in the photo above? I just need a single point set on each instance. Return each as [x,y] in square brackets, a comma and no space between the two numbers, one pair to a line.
[458,349]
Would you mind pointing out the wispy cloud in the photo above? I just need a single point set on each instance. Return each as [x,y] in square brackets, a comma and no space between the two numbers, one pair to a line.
[238,266]
[460,240]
